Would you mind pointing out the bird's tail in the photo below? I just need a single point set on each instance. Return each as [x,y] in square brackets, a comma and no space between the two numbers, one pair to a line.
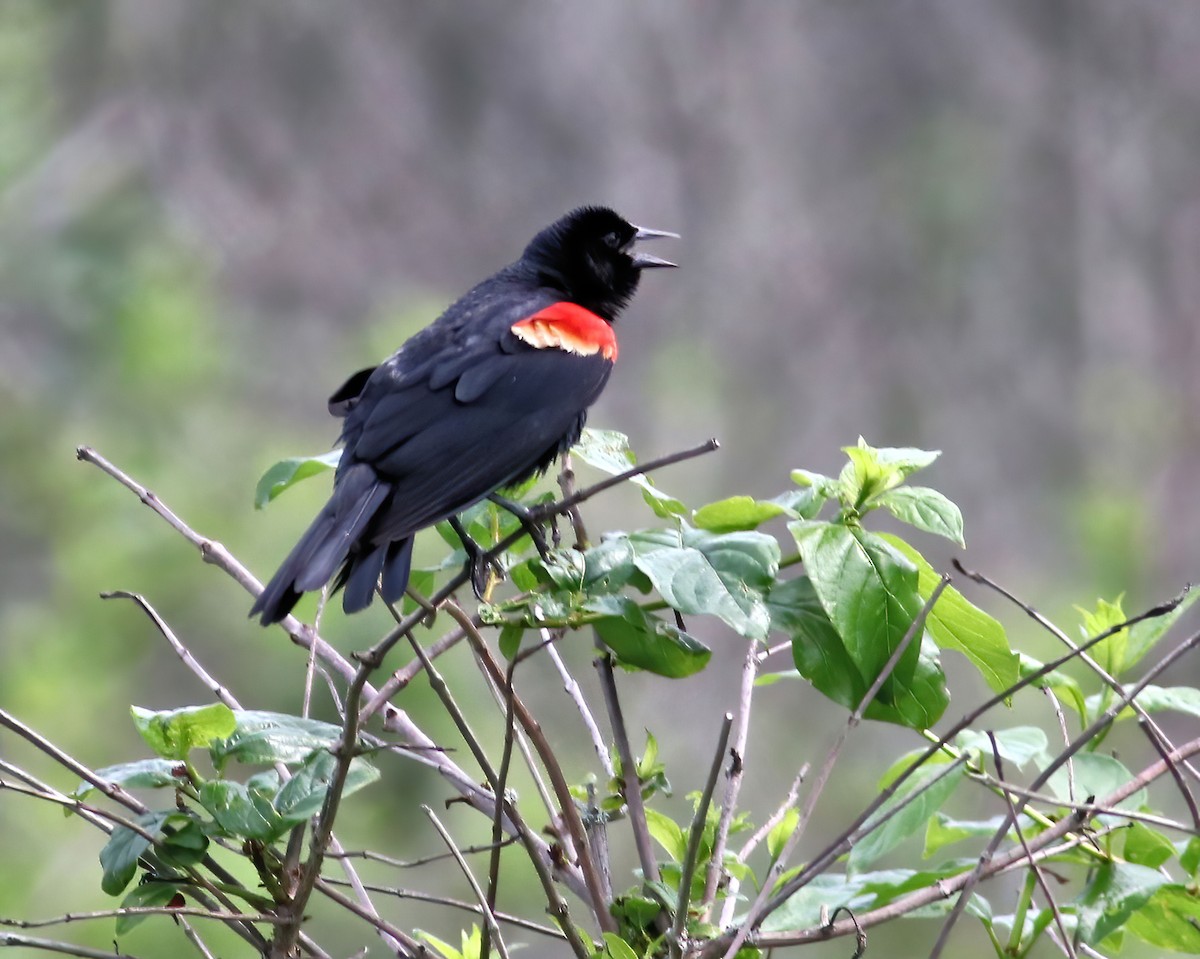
[331,541]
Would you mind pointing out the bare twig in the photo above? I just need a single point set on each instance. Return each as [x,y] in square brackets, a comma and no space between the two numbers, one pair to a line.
[181,650]
[1037,872]
[518,921]
[70,917]
[1041,846]
[1152,730]
[585,713]
[1078,743]
[675,938]
[489,901]
[63,948]
[629,772]
[761,906]
[789,802]
[489,915]
[733,784]
[822,860]
[541,859]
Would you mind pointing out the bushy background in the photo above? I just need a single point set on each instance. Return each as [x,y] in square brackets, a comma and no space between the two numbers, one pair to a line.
[972,227]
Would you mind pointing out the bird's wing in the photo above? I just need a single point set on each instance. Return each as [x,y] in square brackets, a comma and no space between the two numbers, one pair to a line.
[479,417]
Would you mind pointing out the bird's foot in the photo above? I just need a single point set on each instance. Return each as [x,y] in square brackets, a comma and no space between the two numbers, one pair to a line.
[479,565]
[530,522]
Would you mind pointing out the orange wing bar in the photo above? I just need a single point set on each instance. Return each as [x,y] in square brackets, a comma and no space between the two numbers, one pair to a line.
[568,326]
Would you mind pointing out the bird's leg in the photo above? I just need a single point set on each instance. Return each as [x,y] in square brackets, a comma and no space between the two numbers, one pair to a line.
[529,522]
[478,562]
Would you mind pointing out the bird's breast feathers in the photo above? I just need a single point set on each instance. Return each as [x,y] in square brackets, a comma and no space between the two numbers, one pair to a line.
[568,326]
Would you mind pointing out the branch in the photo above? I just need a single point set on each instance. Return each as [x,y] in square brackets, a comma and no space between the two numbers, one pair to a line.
[676,935]
[761,907]
[824,859]
[64,948]
[1078,743]
[489,915]
[733,785]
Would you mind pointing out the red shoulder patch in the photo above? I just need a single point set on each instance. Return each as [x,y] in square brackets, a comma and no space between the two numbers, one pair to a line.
[568,326]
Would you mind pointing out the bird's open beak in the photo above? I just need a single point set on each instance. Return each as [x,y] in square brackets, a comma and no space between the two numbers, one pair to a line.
[647,261]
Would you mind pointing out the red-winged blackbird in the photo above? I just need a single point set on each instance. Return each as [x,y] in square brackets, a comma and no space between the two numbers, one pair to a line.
[483,398]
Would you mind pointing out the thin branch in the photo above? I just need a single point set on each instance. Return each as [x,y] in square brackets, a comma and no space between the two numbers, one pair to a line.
[819,863]
[589,721]
[1101,723]
[412,863]
[489,901]
[629,774]
[1042,846]
[117,913]
[761,905]
[675,938]
[1037,872]
[789,802]
[63,948]
[518,921]
[557,906]
[388,932]
[1152,730]
[558,780]
[181,650]
[481,897]
[737,770]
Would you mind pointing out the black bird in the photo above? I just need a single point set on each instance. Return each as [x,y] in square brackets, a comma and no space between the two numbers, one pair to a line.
[481,399]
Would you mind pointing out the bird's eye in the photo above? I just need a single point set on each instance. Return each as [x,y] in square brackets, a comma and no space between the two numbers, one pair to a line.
[612,240]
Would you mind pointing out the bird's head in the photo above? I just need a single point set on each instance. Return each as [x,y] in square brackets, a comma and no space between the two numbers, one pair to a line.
[588,255]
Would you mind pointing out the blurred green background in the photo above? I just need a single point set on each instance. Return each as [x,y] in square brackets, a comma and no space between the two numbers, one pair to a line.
[970,227]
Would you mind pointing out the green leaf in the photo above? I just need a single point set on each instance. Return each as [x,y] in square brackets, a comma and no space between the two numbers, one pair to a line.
[1144,635]
[147,895]
[303,795]
[942,830]
[926,509]
[1110,652]
[443,948]
[143,774]
[724,575]
[242,814]
[1153,699]
[264,737]
[642,641]
[667,833]
[955,623]
[565,569]
[737,513]
[287,473]
[1066,690]
[1147,847]
[1018,745]
[510,640]
[186,846]
[1189,859]
[616,948]
[781,832]
[608,565]
[1095,775]
[608,451]
[821,657]
[120,855]
[174,733]
[1116,892]
[1169,919]
[808,906]
[935,785]
[869,591]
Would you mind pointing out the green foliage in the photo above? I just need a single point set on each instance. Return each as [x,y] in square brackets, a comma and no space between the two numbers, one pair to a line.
[855,606]
[262,809]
